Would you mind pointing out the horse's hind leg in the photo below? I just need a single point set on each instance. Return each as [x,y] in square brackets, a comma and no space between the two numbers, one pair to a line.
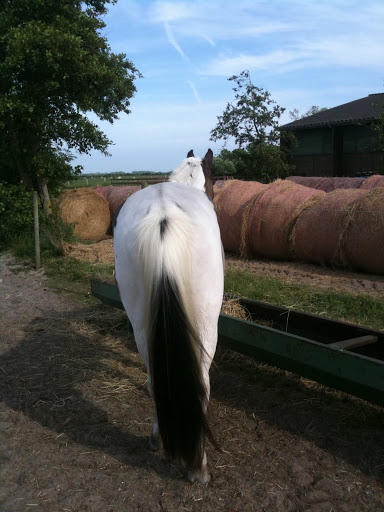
[202,474]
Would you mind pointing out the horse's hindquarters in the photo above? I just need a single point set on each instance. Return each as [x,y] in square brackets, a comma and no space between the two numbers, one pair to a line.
[169,270]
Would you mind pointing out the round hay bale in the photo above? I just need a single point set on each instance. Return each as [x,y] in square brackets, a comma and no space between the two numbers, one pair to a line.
[116,195]
[296,179]
[230,204]
[87,210]
[345,183]
[308,181]
[219,184]
[319,230]
[103,191]
[270,218]
[363,247]
[377,180]
[331,184]
[327,184]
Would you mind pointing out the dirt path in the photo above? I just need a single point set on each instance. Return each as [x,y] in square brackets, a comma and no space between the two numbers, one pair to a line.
[75,415]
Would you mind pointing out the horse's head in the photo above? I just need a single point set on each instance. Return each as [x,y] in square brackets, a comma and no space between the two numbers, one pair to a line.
[196,172]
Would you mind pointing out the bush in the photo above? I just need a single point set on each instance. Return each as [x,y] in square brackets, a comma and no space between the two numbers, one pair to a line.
[16,220]
[221,167]
[16,213]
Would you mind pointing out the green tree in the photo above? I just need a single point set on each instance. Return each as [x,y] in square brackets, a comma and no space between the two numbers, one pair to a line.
[263,163]
[251,118]
[55,68]
[223,167]
[315,109]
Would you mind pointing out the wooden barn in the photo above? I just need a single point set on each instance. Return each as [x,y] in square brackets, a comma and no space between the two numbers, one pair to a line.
[339,141]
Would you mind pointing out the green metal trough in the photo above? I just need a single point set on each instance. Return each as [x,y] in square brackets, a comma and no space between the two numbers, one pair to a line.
[337,354]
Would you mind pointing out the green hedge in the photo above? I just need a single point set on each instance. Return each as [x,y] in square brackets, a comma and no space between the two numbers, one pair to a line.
[16,213]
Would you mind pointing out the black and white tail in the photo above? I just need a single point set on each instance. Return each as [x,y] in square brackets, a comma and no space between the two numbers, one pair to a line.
[174,347]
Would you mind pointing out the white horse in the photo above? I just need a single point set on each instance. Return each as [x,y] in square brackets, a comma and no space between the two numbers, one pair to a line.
[169,271]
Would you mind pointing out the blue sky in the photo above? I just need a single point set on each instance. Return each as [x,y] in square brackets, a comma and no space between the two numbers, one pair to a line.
[304,53]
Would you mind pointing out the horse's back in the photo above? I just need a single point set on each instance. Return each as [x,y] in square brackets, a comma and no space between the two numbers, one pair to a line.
[161,201]
[194,202]
[164,197]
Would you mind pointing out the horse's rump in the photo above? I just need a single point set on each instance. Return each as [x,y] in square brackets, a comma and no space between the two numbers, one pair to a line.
[175,350]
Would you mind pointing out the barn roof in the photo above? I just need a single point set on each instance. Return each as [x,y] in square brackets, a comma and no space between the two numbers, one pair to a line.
[364,110]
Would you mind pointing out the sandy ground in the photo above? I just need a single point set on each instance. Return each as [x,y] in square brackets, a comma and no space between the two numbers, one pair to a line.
[75,414]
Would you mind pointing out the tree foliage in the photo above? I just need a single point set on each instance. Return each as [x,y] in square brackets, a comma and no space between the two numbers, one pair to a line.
[263,163]
[251,118]
[315,109]
[223,166]
[56,68]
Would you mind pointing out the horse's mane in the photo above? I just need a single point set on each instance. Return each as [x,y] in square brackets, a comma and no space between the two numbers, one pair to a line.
[190,172]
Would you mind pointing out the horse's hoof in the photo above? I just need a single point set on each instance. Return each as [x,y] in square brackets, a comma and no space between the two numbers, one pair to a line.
[201,476]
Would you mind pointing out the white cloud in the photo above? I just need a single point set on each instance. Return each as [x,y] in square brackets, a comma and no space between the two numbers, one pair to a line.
[173,42]
[357,50]
[194,90]
[208,39]
[164,12]
[277,60]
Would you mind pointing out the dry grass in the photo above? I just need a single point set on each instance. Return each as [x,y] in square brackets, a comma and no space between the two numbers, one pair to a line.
[231,306]
[87,211]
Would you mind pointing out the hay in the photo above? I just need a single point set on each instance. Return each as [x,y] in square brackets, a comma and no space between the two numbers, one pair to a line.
[116,195]
[363,247]
[308,181]
[99,252]
[327,184]
[318,232]
[230,204]
[377,180]
[87,211]
[219,184]
[103,191]
[271,217]
[218,190]
[345,183]
[231,306]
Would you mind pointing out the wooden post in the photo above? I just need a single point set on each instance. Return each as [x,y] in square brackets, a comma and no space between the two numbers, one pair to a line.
[36,227]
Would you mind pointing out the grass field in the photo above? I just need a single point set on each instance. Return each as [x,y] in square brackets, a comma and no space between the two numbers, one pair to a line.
[95,181]
[358,309]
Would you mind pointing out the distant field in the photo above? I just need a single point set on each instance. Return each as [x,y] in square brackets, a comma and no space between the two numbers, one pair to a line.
[93,181]
[83,181]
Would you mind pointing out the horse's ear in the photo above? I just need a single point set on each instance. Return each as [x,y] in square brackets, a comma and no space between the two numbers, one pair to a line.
[190,153]
[208,159]
[209,180]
